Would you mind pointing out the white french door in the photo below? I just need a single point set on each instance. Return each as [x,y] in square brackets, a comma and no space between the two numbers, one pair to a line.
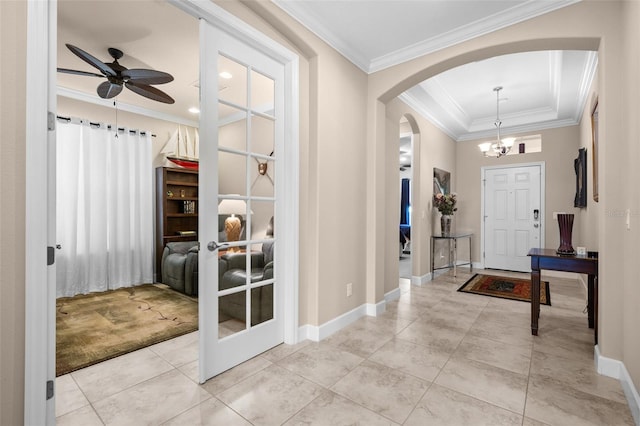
[241,294]
[513,215]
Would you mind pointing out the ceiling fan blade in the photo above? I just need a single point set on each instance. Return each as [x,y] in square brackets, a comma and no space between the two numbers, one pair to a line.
[90,74]
[108,90]
[149,92]
[142,76]
[91,60]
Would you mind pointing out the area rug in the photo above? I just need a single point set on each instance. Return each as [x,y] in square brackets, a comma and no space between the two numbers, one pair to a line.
[98,326]
[506,288]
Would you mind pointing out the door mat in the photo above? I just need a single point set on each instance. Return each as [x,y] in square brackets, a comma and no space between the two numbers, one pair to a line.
[505,288]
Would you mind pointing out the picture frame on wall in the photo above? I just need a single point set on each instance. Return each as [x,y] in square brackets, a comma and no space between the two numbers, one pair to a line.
[594,149]
[441,181]
[580,166]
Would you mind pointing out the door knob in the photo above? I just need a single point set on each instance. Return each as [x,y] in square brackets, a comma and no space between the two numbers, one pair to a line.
[535,225]
[213,246]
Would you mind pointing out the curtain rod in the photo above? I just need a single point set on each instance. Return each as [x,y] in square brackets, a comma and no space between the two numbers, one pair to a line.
[121,129]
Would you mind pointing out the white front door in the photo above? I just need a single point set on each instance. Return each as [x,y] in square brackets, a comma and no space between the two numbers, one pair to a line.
[241,294]
[513,198]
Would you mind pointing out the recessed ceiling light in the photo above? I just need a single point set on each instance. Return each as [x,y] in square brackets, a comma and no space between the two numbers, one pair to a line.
[225,75]
[194,110]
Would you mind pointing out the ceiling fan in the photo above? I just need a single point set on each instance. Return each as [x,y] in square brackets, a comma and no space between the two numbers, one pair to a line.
[136,80]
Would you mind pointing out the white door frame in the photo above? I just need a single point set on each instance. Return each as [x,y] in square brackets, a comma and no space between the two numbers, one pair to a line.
[543,184]
[41,97]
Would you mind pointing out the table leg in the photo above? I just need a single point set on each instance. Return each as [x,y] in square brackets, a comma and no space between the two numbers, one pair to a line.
[432,256]
[455,257]
[590,310]
[595,308]
[535,301]
[470,262]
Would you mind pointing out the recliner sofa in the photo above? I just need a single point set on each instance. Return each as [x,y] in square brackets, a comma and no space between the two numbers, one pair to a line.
[232,272]
[180,267]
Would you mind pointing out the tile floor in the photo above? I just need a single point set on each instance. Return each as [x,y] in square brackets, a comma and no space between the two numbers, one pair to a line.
[435,357]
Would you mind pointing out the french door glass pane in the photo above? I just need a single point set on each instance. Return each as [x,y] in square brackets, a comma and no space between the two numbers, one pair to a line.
[262,93]
[232,170]
[232,127]
[246,167]
[232,84]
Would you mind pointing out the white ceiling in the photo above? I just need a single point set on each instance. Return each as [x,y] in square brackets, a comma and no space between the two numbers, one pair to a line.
[544,89]
[541,89]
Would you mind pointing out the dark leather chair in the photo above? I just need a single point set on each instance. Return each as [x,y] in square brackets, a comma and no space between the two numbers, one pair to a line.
[232,272]
[180,267]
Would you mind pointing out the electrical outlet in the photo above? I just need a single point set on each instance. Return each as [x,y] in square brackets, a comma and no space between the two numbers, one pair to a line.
[349,289]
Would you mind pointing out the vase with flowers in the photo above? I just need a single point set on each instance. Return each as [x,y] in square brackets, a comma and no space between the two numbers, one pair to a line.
[446,205]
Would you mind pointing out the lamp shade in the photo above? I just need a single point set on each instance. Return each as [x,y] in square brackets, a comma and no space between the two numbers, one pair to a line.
[485,147]
[508,142]
[228,207]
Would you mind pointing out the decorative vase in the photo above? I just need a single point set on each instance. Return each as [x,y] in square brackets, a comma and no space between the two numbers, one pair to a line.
[565,223]
[445,225]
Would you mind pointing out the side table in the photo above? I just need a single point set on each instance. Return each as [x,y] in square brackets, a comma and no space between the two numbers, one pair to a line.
[452,241]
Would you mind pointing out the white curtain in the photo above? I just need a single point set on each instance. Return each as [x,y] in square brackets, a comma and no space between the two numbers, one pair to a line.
[104,208]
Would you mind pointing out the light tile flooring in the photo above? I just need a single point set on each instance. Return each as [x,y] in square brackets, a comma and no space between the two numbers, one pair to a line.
[435,357]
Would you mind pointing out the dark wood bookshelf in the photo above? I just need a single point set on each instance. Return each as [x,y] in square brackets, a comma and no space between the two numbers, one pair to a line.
[176,208]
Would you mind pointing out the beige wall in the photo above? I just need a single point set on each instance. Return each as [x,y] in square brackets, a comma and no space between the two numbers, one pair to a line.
[631,155]
[12,224]
[341,174]
[432,148]
[559,149]
[587,218]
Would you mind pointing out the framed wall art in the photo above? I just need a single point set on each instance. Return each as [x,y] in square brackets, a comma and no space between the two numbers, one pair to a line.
[594,149]
[580,166]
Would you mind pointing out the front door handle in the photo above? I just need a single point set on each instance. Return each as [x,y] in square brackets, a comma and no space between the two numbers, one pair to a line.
[213,246]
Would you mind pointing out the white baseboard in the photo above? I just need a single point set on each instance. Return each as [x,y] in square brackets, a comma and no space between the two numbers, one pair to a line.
[316,333]
[392,295]
[421,280]
[375,309]
[616,369]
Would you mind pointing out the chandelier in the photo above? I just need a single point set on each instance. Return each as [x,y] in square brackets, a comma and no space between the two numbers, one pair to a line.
[501,146]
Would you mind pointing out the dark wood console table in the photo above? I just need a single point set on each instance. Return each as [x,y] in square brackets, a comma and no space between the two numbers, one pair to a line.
[581,264]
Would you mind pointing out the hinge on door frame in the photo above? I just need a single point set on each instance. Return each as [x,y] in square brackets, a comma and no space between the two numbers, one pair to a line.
[51,121]
[50,390]
[51,255]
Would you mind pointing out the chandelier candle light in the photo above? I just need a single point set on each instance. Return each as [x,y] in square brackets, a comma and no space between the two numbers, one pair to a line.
[501,146]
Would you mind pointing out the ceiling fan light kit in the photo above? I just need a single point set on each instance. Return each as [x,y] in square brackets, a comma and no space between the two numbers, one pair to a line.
[139,81]
[501,146]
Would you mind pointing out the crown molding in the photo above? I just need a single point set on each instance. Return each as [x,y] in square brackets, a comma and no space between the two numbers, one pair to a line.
[92,99]
[419,107]
[506,18]
[481,134]
[325,34]
[585,83]
[525,128]
[501,20]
